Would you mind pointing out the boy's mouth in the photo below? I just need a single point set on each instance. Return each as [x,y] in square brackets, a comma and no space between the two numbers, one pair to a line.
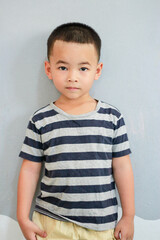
[72,88]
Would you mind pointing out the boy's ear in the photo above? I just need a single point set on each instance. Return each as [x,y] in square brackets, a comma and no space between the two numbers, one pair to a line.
[48,69]
[99,70]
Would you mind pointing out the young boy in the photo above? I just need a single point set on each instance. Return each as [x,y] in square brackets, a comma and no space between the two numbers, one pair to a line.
[84,146]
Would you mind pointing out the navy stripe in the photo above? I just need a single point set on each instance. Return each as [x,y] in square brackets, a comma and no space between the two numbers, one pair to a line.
[79,172]
[120,123]
[33,143]
[42,115]
[121,153]
[76,124]
[31,157]
[78,189]
[109,111]
[32,127]
[120,139]
[79,156]
[94,220]
[77,139]
[80,204]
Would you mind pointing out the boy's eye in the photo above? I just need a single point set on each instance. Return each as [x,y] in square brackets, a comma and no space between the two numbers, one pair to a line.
[83,69]
[63,68]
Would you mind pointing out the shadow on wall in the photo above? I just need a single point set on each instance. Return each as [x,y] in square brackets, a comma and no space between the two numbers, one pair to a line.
[144,229]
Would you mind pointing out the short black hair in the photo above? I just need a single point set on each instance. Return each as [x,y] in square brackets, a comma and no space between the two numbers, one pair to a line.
[74,32]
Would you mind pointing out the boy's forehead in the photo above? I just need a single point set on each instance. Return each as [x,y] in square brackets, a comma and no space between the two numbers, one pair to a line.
[62,47]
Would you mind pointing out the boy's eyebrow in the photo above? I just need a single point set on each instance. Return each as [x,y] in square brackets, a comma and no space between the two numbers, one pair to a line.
[84,63]
[63,62]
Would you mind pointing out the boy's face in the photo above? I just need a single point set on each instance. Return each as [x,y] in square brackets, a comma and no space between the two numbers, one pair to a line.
[73,67]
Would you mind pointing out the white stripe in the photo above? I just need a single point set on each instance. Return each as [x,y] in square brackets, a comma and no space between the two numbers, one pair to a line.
[81,197]
[77,164]
[120,131]
[77,181]
[33,135]
[83,131]
[32,151]
[121,147]
[87,147]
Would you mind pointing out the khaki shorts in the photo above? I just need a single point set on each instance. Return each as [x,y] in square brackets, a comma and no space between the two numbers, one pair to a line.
[59,230]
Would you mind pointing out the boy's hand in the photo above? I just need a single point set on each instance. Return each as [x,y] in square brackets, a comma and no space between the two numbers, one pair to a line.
[125,228]
[30,230]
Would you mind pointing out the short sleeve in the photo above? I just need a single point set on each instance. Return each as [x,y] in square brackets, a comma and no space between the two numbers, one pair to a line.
[121,145]
[32,148]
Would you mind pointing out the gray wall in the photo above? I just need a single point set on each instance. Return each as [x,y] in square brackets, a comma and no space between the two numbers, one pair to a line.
[130,80]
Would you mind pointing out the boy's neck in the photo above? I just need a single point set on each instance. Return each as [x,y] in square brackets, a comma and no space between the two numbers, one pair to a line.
[76,106]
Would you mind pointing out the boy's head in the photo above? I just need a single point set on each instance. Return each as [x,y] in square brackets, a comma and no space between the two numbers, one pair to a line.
[76,33]
[73,54]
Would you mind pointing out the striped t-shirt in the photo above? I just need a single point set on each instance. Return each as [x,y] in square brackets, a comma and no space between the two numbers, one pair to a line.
[77,150]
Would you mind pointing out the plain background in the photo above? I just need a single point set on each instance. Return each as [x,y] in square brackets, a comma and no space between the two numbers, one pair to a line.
[130,80]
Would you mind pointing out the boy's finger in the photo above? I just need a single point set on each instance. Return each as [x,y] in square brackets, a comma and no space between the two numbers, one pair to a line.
[116,233]
[35,238]
[41,233]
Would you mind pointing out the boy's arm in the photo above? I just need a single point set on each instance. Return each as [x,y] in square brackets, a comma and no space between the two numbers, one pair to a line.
[124,179]
[27,183]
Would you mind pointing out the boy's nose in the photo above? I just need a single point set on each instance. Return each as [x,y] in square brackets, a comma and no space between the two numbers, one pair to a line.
[72,76]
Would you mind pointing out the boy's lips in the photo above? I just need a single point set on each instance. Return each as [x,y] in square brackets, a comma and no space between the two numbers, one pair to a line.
[72,88]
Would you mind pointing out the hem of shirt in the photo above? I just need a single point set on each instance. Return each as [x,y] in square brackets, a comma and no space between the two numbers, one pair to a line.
[46,212]
[30,157]
[121,154]
[49,214]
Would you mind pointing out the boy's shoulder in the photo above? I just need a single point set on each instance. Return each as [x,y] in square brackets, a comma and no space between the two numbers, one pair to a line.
[43,112]
[43,109]
[109,109]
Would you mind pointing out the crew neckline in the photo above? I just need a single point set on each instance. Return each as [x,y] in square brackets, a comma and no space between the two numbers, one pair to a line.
[60,111]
